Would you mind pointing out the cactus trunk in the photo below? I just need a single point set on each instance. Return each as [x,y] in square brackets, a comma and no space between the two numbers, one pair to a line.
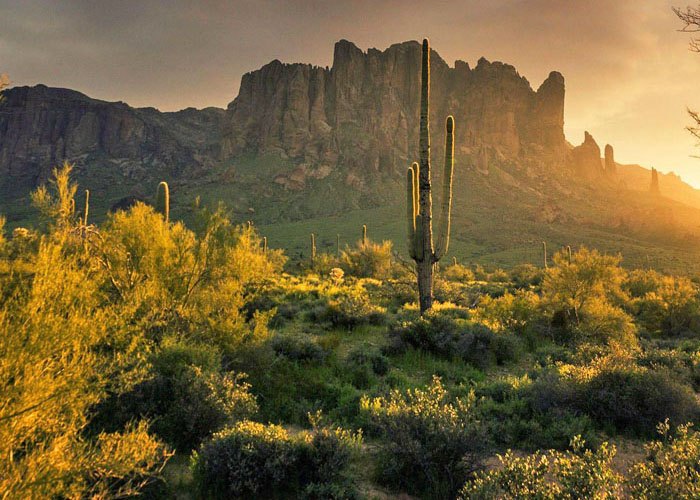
[364,234]
[544,251]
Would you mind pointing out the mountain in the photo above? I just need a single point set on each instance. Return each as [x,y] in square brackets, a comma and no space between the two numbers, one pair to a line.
[331,145]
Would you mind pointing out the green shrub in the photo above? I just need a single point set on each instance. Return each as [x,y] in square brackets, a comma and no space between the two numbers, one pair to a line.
[252,460]
[365,355]
[584,297]
[458,273]
[447,337]
[579,473]
[619,396]
[348,306]
[186,397]
[431,445]
[671,308]
[368,260]
[671,468]
[526,276]
[299,347]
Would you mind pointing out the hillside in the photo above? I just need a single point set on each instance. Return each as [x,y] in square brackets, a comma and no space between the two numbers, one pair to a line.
[303,148]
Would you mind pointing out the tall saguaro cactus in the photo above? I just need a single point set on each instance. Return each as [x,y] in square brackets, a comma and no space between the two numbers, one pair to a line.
[163,200]
[419,198]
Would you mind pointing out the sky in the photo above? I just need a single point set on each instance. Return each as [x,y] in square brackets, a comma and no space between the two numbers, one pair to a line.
[630,75]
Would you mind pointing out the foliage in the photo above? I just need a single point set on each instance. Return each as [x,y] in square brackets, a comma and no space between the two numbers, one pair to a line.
[671,466]
[584,297]
[368,260]
[579,473]
[186,397]
[443,335]
[432,444]
[65,347]
[263,461]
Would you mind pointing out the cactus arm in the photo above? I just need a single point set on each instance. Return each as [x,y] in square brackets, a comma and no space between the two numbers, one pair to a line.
[163,200]
[443,236]
[411,211]
[416,194]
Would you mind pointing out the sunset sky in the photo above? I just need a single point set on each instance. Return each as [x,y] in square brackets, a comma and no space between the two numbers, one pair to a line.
[629,73]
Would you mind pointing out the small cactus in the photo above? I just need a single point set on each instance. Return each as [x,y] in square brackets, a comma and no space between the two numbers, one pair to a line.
[313,247]
[264,245]
[87,208]
[544,251]
[568,252]
[364,234]
[163,200]
[337,245]
[454,261]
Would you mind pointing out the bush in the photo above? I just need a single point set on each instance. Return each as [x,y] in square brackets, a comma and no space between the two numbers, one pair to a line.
[186,397]
[510,312]
[579,473]
[300,347]
[432,445]
[671,308]
[585,295]
[458,273]
[348,306]
[252,460]
[617,395]
[368,260]
[671,466]
[365,355]
[636,400]
[443,335]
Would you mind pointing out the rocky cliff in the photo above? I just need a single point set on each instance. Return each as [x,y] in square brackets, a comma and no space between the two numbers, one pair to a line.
[361,115]
[41,127]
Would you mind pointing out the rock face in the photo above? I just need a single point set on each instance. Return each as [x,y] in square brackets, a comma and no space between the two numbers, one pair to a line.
[586,158]
[40,127]
[610,166]
[361,115]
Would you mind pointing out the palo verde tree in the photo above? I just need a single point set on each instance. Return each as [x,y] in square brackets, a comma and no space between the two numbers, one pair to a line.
[419,199]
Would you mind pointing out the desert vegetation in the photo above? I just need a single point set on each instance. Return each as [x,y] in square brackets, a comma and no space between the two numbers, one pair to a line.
[145,357]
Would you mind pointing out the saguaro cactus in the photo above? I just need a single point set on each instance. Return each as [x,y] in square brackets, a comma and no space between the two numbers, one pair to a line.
[544,253]
[313,247]
[568,252]
[337,245]
[264,245]
[163,200]
[364,234]
[87,207]
[419,200]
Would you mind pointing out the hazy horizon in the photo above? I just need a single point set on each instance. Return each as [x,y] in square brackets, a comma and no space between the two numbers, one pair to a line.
[629,73]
